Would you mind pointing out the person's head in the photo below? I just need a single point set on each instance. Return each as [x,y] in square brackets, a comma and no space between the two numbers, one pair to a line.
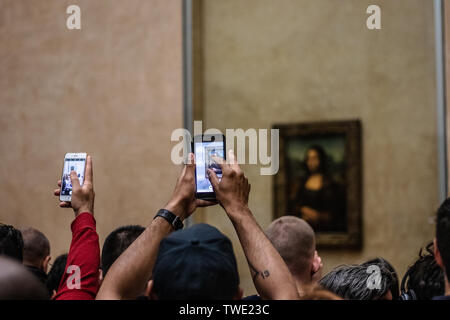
[116,243]
[352,282]
[295,241]
[56,273]
[424,279]
[442,240]
[36,249]
[195,263]
[11,242]
[315,159]
[17,283]
[383,263]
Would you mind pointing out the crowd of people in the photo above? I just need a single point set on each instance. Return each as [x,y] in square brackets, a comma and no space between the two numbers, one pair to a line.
[165,261]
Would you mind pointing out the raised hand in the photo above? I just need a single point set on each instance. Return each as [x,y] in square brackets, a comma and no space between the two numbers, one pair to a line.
[82,196]
[233,189]
[183,202]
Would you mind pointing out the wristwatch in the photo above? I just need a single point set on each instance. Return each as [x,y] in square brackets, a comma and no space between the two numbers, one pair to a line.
[174,220]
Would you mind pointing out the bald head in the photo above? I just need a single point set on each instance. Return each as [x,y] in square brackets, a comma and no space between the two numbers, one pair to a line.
[294,239]
[16,283]
[35,247]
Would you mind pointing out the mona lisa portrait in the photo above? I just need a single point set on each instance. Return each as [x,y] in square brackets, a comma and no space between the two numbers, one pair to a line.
[319,179]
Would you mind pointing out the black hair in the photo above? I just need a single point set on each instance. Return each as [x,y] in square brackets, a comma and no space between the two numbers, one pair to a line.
[11,242]
[351,282]
[56,273]
[424,278]
[394,287]
[117,242]
[443,234]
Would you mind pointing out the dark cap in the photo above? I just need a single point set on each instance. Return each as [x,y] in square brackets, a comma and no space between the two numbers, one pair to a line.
[196,263]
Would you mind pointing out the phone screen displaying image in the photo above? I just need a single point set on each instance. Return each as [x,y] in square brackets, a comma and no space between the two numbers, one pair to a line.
[77,165]
[204,153]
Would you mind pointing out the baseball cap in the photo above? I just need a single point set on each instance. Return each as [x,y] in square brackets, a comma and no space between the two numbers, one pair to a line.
[196,263]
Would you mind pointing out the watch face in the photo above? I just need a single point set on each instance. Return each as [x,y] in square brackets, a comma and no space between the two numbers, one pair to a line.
[177,223]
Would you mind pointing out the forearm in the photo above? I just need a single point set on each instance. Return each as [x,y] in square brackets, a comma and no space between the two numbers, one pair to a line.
[128,276]
[80,279]
[270,274]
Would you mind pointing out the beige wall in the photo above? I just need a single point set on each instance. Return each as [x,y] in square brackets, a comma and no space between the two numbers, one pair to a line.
[290,61]
[112,89]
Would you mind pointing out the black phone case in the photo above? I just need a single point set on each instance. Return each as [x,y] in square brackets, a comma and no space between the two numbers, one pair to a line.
[206,195]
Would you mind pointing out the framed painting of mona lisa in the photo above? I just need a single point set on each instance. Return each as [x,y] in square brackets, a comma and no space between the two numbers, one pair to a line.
[319,179]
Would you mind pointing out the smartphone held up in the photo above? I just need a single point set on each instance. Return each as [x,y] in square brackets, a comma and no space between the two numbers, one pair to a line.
[206,149]
[72,162]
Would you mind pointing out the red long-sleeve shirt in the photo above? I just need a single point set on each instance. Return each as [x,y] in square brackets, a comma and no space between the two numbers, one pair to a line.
[80,280]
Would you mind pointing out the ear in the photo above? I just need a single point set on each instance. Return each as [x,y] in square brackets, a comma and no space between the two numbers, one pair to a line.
[437,255]
[149,291]
[239,294]
[316,267]
[45,263]
[316,261]
[100,277]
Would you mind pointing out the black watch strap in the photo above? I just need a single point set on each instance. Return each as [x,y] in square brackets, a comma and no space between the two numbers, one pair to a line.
[171,218]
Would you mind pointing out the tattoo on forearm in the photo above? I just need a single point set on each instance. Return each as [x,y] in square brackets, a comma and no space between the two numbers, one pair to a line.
[264,274]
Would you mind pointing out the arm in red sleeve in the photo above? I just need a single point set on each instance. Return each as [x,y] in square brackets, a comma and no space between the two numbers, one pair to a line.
[80,280]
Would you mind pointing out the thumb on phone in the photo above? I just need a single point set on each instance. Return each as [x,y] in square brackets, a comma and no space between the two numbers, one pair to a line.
[213,179]
[74,180]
